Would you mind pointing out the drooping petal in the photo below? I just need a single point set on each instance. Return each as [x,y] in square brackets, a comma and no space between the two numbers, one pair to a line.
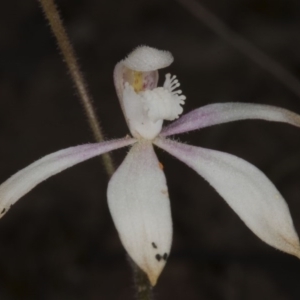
[139,204]
[218,113]
[247,191]
[26,179]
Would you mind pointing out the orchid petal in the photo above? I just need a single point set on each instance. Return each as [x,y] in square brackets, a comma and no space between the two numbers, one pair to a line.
[218,113]
[139,204]
[26,179]
[247,191]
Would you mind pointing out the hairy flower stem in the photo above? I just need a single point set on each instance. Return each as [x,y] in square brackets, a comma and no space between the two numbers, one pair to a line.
[143,287]
[65,46]
[141,282]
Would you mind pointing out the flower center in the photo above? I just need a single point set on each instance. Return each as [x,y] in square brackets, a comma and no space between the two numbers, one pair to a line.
[146,106]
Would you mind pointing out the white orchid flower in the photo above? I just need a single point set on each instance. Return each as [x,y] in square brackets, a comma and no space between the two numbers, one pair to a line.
[137,192]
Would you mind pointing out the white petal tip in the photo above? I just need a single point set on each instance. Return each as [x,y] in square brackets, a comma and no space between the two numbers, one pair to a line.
[154,267]
[297,254]
[293,247]
[146,59]
[153,270]
[153,279]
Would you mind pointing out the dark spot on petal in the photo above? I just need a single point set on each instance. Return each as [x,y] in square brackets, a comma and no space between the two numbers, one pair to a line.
[158,257]
[3,211]
[165,256]
[154,245]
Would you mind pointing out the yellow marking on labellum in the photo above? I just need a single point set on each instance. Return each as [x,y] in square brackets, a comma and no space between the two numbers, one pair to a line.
[138,81]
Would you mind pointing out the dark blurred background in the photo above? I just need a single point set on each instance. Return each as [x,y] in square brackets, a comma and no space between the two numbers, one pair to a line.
[59,241]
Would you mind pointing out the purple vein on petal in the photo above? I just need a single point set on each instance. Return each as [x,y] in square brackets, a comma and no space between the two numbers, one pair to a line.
[219,113]
[246,189]
[26,179]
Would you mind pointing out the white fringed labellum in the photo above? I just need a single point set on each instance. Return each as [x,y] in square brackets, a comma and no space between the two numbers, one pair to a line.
[146,106]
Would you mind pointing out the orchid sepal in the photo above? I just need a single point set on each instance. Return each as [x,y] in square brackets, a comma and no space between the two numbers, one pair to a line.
[26,179]
[219,113]
[246,189]
[138,201]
